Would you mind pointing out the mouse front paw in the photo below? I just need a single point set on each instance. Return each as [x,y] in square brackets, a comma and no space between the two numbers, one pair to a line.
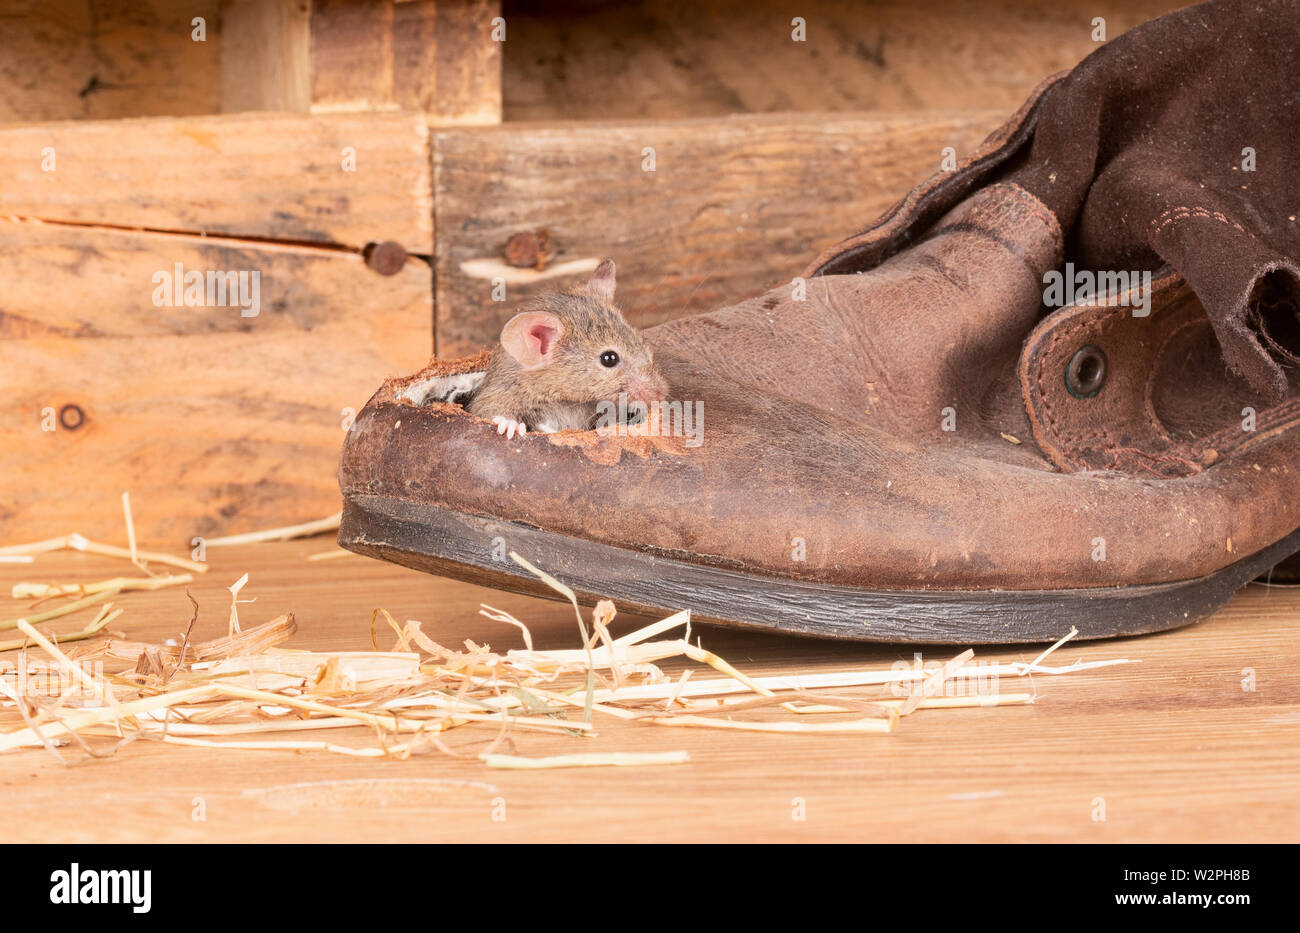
[509,426]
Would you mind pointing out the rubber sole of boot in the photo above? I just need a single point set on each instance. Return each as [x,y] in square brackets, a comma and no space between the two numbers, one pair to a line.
[454,544]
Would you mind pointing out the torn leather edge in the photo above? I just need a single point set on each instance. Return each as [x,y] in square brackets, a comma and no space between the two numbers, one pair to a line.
[921,207]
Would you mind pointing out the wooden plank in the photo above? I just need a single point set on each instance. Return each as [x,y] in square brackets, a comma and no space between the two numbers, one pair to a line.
[467,62]
[229,430]
[351,55]
[247,175]
[1175,747]
[265,55]
[650,60]
[415,56]
[437,56]
[92,282]
[733,206]
[223,419]
[86,59]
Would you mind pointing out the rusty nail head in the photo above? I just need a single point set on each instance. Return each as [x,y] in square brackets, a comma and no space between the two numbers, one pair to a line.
[386,258]
[529,249]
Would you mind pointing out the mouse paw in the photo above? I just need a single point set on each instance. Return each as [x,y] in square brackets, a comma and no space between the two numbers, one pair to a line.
[509,426]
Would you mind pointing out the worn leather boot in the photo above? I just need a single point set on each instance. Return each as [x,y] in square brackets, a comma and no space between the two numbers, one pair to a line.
[1054,387]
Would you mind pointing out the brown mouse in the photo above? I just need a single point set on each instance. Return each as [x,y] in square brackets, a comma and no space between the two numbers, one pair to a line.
[563,356]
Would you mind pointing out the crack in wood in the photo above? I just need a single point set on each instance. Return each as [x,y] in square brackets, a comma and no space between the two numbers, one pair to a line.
[219,239]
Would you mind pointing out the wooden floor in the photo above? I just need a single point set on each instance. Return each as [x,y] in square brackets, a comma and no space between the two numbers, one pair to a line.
[1172,749]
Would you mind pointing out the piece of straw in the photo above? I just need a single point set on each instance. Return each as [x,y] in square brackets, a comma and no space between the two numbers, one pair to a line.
[873,724]
[101,621]
[74,670]
[234,588]
[76,542]
[657,628]
[1033,665]
[255,640]
[130,531]
[500,615]
[117,584]
[675,696]
[934,683]
[332,555]
[582,626]
[66,609]
[288,745]
[306,529]
[716,686]
[589,760]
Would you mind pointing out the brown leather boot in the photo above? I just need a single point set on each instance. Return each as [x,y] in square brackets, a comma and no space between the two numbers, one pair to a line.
[941,434]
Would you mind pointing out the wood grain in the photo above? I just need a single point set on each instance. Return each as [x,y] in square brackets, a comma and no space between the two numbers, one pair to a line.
[648,60]
[218,422]
[351,55]
[88,282]
[437,56]
[90,59]
[265,55]
[1174,745]
[467,63]
[212,434]
[733,206]
[96,60]
[271,176]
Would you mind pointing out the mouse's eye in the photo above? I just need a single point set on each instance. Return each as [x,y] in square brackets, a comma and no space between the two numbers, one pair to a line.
[609,359]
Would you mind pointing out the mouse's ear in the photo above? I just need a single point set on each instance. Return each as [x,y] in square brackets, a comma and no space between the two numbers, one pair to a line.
[602,281]
[530,337]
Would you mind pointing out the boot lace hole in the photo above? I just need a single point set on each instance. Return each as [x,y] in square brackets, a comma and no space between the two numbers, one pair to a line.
[1086,372]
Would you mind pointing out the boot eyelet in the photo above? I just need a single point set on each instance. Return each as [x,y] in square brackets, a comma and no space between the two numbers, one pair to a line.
[1086,372]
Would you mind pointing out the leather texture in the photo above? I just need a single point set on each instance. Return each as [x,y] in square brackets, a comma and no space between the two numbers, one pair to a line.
[902,417]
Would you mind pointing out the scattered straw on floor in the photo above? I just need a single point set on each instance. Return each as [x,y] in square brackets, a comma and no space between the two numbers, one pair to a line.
[242,690]
[410,698]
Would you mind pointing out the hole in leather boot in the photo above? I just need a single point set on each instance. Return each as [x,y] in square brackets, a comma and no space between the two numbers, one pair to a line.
[457,389]
[1274,315]
[1086,372]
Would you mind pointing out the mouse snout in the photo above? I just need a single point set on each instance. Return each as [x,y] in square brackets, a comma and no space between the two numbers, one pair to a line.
[646,387]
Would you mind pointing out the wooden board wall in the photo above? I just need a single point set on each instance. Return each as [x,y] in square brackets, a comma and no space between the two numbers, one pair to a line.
[215,422]
[101,59]
[642,59]
[733,206]
[265,55]
[97,60]
[583,59]
[274,176]
[327,56]
[437,56]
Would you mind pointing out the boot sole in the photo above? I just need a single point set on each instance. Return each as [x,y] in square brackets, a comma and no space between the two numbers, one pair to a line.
[454,544]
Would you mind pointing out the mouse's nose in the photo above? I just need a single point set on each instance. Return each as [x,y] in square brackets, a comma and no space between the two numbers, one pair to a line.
[647,387]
